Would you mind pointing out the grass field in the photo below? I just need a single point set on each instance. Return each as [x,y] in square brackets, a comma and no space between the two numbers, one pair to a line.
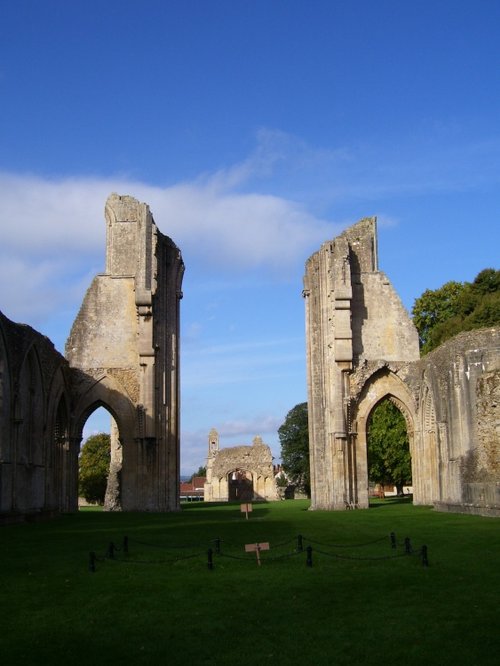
[161,604]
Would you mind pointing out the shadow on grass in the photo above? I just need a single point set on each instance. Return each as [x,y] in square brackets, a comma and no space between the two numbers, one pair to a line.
[391,501]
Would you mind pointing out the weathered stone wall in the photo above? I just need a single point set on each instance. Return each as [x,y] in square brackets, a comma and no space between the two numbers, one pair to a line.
[122,354]
[253,464]
[353,315]
[126,338]
[35,465]
[362,347]
[459,413]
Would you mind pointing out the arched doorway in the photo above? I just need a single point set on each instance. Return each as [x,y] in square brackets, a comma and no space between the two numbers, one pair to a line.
[388,450]
[95,457]
[117,407]
[382,385]
[240,485]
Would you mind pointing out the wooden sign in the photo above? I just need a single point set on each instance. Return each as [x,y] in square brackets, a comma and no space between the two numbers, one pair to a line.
[246,508]
[256,547]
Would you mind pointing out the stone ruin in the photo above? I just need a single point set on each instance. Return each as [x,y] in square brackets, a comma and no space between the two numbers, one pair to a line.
[362,347]
[123,354]
[239,473]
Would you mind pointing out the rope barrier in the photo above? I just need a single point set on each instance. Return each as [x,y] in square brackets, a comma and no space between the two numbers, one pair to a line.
[214,551]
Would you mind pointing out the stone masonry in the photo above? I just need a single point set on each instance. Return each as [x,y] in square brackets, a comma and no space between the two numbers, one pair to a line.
[122,354]
[362,347]
[125,342]
[243,473]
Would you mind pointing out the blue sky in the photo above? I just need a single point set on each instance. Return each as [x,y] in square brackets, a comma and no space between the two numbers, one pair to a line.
[255,131]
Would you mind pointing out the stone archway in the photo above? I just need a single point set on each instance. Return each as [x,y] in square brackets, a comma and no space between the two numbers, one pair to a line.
[356,326]
[383,384]
[123,478]
[240,486]
[124,351]
[361,347]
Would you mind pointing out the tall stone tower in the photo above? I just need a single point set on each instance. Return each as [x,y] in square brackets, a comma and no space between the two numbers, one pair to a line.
[125,343]
[353,316]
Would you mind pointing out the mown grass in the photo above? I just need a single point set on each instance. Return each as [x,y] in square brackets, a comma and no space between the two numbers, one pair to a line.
[136,610]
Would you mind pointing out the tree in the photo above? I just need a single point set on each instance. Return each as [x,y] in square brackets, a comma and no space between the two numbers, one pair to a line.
[95,457]
[434,307]
[202,471]
[389,459]
[442,313]
[294,439]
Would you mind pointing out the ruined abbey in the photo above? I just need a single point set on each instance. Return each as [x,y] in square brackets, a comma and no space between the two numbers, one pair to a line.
[123,354]
[242,473]
[362,347]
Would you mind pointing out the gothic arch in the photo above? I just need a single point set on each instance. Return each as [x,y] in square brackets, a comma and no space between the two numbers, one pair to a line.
[383,384]
[107,392]
[29,428]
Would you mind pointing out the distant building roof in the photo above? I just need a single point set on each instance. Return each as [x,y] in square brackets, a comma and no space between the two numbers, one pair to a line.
[195,486]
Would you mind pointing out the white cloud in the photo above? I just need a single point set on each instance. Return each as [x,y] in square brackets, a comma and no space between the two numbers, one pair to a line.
[31,289]
[51,229]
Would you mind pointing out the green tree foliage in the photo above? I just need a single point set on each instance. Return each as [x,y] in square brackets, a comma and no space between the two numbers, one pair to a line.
[433,308]
[202,471]
[294,439]
[95,457]
[442,313]
[389,461]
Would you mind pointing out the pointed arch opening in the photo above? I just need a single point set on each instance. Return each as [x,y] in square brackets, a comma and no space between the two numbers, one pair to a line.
[388,450]
[100,459]
[29,441]
[382,385]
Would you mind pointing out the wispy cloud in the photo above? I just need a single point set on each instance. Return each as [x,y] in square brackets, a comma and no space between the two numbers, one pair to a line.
[243,363]
[53,230]
[266,213]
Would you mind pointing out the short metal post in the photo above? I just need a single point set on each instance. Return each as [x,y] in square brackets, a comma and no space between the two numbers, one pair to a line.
[309,560]
[217,546]
[300,546]
[210,559]
[393,540]
[111,551]
[407,546]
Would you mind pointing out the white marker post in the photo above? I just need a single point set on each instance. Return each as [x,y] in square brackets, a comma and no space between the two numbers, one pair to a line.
[246,508]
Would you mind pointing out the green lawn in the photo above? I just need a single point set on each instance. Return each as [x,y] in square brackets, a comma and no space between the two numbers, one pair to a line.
[162,604]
